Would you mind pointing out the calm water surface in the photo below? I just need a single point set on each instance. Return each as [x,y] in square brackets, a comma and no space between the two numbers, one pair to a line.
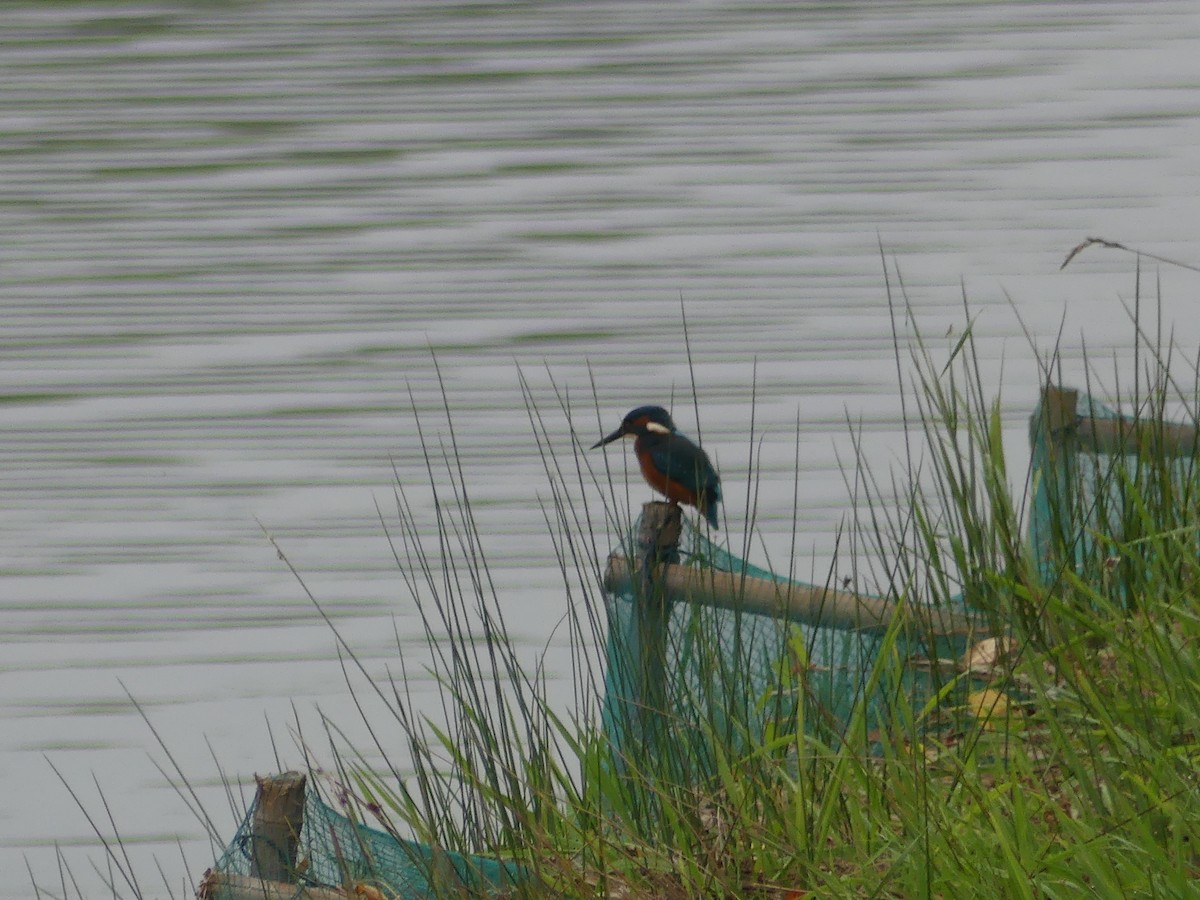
[235,236]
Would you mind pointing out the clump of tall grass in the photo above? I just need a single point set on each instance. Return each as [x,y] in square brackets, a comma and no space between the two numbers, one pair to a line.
[1056,758]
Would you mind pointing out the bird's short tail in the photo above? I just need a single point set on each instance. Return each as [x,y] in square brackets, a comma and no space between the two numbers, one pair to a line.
[712,501]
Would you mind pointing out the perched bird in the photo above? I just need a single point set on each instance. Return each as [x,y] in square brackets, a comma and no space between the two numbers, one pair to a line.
[670,463]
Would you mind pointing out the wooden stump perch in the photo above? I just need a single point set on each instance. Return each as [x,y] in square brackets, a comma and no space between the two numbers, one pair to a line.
[275,832]
[658,546]
[659,532]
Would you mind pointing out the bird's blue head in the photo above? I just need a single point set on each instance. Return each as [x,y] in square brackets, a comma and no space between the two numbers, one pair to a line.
[640,421]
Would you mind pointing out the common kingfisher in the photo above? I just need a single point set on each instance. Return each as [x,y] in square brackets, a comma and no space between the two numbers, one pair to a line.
[670,463]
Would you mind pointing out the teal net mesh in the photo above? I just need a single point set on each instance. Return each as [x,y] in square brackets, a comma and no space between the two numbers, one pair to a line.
[1070,495]
[688,687]
[1109,492]
[335,851]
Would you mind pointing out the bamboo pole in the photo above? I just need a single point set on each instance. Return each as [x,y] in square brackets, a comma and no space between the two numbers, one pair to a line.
[807,604]
[1112,436]
[224,886]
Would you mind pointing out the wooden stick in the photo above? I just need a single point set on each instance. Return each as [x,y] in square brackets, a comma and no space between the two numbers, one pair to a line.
[1113,436]
[807,604]
[223,886]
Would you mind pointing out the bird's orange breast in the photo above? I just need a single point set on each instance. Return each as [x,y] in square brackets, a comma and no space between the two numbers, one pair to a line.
[658,480]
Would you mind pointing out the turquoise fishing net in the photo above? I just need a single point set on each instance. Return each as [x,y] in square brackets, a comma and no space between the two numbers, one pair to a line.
[1092,513]
[1066,510]
[729,681]
[335,851]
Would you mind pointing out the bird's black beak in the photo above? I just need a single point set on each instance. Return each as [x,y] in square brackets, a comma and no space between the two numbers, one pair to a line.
[619,433]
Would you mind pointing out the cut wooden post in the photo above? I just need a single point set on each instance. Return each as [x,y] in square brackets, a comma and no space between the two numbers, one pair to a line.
[659,531]
[275,831]
[658,545]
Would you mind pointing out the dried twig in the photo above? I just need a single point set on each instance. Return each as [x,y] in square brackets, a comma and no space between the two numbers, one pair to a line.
[1114,245]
